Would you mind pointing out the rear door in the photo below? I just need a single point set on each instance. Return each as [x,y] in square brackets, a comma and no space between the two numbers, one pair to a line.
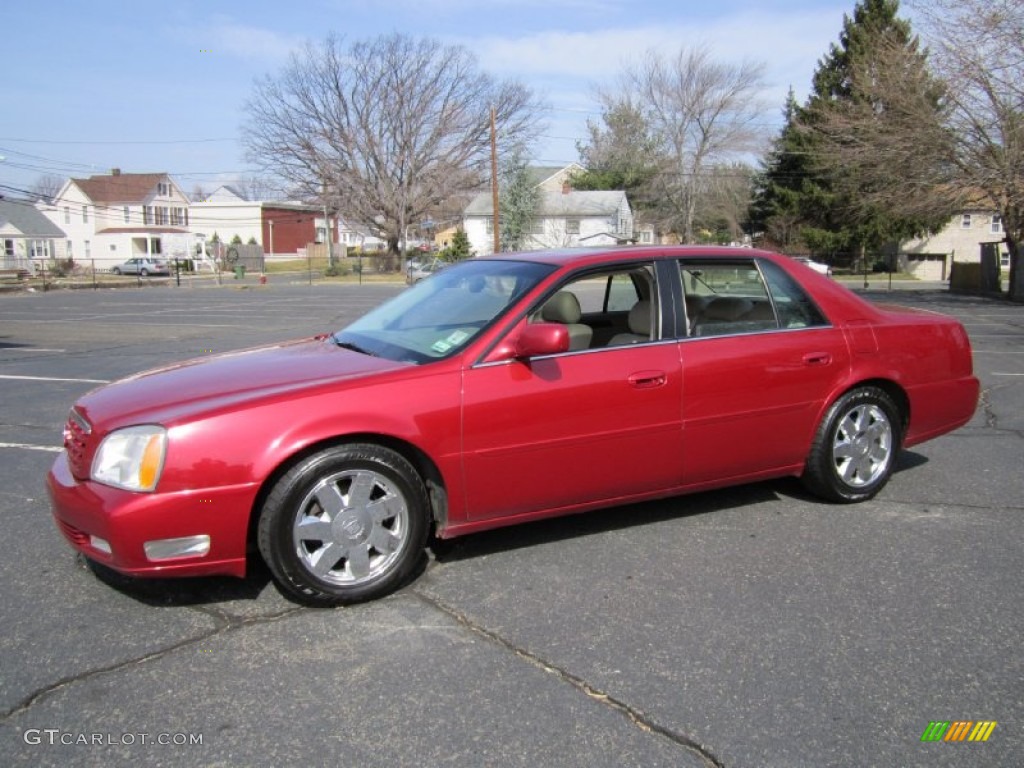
[758,361]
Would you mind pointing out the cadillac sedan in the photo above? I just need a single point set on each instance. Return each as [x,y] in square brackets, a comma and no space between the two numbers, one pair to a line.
[497,391]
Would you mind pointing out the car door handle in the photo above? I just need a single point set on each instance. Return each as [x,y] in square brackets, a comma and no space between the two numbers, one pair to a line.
[647,379]
[817,358]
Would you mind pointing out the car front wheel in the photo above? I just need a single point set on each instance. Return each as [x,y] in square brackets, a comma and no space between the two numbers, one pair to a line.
[144,272]
[116,270]
[345,525]
[855,448]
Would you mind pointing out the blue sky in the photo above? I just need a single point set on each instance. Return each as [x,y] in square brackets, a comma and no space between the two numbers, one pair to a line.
[161,86]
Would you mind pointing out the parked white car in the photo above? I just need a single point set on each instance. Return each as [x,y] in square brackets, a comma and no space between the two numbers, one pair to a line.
[817,266]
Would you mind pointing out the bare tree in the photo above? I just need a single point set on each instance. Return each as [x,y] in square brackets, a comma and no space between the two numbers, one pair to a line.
[258,188]
[724,200]
[978,49]
[385,129]
[199,193]
[47,186]
[701,113]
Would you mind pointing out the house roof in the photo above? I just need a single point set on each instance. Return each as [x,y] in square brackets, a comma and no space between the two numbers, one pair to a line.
[121,187]
[26,218]
[225,194]
[560,204]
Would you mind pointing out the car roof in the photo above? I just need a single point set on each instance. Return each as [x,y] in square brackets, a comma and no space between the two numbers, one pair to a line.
[581,256]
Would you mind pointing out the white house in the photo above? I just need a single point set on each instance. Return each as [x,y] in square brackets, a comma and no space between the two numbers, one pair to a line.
[29,238]
[113,217]
[931,257]
[565,218]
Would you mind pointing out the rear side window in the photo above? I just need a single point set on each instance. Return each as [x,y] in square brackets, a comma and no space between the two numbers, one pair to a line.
[792,304]
[724,298]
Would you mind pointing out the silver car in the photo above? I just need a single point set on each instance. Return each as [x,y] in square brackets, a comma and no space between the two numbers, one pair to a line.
[142,266]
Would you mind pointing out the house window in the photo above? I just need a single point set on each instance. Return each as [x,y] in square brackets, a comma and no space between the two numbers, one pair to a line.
[997,225]
[126,214]
[147,215]
[9,248]
[179,217]
[88,250]
[39,249]
[85,214]
[537,227]
[161,216]
[67,214]
[489,223]
[163,189]
[572,226]
[646,236]
[69,252]
[965,221]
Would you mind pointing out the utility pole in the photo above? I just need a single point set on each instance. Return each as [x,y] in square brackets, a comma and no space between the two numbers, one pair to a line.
[496,220]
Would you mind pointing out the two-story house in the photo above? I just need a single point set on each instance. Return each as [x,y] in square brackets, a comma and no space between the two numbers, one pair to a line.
[110,218]
[565,218]
[931,257]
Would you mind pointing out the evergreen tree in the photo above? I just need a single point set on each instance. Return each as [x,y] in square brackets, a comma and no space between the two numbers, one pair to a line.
[518,201]
[814,190]
[775,213]
[459,247]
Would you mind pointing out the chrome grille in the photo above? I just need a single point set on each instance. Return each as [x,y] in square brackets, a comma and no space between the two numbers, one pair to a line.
[78,444]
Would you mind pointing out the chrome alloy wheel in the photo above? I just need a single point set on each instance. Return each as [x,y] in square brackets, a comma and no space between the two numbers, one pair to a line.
[351,527]
[863,445]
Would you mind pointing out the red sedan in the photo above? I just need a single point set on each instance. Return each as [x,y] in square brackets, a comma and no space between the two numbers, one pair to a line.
[497,391]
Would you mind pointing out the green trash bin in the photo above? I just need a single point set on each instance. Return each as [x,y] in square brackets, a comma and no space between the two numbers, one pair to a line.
[239,272]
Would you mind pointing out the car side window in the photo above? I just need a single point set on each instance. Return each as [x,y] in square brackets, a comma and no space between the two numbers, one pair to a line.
[608,308]
[726,298]
[792,304]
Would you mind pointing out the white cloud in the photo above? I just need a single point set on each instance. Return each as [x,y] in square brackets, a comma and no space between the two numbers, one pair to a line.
[789,46]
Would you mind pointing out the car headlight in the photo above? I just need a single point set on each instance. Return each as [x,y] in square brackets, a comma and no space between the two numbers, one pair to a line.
[131,458]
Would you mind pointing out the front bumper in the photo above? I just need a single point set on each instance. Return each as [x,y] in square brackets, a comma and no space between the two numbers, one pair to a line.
[114,527]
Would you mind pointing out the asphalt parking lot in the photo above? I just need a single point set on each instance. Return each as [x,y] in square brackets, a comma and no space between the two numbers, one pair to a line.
[748,627]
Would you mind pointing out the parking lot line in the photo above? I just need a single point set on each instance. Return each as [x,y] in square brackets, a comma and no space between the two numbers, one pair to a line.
[30,447]
[53,378]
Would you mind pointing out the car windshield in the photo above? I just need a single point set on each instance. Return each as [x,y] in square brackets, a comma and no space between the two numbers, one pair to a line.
[440,315]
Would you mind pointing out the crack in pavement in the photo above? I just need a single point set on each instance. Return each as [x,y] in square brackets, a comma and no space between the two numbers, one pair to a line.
[227,624]
[638,718]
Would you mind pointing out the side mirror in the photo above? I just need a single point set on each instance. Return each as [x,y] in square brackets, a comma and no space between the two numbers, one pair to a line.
[538,339]
[531,340]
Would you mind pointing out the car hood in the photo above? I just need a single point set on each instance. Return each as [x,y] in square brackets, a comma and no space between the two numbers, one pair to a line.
[174,392]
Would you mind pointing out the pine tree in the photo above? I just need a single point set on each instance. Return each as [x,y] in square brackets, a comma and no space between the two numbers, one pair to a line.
[518,202]
[816,188]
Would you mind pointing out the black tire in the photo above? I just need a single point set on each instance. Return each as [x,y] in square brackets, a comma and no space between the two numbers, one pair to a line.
[116,270]
[855,448]
[144,272]
[366,546]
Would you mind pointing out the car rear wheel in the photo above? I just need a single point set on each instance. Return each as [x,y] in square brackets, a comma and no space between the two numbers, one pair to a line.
[344,525]
[116,270]
[855,448]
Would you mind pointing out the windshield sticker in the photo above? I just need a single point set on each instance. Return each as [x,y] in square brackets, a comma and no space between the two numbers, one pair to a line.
[457,337]
[441,346]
